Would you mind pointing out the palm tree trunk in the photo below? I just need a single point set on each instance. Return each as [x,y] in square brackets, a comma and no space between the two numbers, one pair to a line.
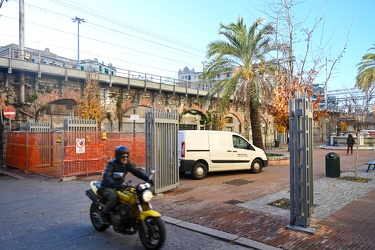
[255,125]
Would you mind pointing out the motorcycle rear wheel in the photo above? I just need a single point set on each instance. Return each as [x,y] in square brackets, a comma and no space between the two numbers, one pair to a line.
[154,236]
[95,217]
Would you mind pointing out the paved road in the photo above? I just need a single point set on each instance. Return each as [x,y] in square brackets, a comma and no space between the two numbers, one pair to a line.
[39,213]
[44,214]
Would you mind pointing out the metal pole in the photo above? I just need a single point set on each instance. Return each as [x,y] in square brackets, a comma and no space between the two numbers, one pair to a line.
[134,121]
[78,43]
[22,47]
[22,28]
[78,20]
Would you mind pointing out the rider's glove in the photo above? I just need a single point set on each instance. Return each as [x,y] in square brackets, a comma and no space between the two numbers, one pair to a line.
[120,187]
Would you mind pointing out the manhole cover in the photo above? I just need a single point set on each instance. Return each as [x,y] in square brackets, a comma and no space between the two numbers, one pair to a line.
[238,182]
[233,202]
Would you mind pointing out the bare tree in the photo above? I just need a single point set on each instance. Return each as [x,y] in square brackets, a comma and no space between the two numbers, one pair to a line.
[302,50]
[358,105]
[1,2]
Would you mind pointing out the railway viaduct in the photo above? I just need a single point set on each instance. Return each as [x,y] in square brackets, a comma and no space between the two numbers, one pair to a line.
[51,93]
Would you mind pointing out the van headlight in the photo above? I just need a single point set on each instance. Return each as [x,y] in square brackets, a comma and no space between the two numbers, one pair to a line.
[147,196]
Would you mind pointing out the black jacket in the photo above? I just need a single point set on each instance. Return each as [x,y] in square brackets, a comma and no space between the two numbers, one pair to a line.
[350,140]
[116,166]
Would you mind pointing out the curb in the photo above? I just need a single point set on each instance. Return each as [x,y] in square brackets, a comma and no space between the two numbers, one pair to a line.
[234,239]
[12,175]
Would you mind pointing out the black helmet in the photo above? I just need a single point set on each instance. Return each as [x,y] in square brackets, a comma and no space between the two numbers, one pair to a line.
[120,150]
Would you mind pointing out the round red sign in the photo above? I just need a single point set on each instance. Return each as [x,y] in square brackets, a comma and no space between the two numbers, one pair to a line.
[9,112]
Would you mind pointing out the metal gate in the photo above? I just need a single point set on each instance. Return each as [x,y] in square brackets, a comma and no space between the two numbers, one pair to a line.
[31,126]
[75,149]
[161,149]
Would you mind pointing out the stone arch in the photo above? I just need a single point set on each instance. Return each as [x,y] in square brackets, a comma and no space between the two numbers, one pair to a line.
[235,123]
[192,117]
[45,99]
[145,104]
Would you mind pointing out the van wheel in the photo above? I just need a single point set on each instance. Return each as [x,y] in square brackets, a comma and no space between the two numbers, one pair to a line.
[199,171]
[256,166]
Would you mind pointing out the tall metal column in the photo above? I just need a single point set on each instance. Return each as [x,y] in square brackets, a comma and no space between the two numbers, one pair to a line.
[78,20]
[301,164]
[22,47]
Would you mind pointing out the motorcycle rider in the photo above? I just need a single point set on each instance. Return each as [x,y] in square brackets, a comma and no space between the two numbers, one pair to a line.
[120,163]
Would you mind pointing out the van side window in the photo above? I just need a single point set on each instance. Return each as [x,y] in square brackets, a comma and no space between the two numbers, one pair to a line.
[239,142]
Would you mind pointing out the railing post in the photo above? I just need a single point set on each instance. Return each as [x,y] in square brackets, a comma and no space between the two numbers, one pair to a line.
[145,82]
[10,61]
[128,79]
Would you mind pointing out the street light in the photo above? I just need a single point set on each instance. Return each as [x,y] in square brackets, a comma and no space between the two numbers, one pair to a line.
[134,106]
[78,20]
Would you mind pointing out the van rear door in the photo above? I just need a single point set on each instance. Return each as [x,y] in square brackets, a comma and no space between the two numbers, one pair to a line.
[220,151]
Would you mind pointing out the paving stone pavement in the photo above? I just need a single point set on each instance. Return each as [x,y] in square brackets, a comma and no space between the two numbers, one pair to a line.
[330,195]
[236,203]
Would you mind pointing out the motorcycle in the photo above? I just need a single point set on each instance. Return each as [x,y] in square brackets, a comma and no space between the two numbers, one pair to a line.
[132,214]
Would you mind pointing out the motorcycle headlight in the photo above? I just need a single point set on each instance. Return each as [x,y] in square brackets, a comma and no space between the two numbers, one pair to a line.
[147,196]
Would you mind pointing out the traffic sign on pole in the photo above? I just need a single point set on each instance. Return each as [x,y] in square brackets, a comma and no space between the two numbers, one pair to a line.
[9,112]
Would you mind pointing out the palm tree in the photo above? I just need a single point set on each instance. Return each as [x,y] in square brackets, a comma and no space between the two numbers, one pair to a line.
[243,59]
[366,71]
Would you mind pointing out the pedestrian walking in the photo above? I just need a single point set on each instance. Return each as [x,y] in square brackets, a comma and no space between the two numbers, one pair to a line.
[350,142]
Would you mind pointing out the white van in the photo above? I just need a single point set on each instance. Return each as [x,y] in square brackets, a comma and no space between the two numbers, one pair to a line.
[203,151]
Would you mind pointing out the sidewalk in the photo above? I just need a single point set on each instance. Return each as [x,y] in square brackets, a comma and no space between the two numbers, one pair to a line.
[236,204]
[233,206]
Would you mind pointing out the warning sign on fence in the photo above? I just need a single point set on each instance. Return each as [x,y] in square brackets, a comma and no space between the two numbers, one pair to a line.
[80,146]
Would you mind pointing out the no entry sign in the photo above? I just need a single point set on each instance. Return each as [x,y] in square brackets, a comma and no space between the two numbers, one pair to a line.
[9,112]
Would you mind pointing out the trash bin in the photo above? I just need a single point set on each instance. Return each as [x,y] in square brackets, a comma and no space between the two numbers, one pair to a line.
[277,144]
[332,165]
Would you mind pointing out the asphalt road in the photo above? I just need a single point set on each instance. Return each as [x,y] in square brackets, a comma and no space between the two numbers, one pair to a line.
[40,213]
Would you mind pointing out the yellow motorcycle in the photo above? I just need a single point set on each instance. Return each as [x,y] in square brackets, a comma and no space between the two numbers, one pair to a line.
[132,214]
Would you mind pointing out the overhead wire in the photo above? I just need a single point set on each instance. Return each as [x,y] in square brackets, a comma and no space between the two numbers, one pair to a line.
[107,43]
[94,13]
[106,29]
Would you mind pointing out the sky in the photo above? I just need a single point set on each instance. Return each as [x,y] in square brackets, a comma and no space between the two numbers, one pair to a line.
[161,37]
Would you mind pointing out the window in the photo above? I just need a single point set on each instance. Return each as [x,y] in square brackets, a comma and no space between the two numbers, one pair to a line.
[239,142]
[229,119]
[106,71]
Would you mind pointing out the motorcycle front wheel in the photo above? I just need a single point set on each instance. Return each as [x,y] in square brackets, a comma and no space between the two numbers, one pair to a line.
[95,217]
[153,235]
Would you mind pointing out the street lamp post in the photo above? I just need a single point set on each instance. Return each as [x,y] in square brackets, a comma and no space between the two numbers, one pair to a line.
[78,20]
[134,106]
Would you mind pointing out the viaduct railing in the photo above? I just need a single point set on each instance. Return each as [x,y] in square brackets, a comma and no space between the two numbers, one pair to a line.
[129,78]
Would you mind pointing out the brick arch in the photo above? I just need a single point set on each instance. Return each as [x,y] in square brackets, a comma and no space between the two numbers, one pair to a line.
[46,98]
[193,107]
[145,102]
[238,115]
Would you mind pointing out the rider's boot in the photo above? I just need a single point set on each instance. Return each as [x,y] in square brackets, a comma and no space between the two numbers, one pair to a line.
[104,218]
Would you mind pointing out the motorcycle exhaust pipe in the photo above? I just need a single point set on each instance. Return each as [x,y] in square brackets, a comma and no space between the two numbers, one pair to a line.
[92,196]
